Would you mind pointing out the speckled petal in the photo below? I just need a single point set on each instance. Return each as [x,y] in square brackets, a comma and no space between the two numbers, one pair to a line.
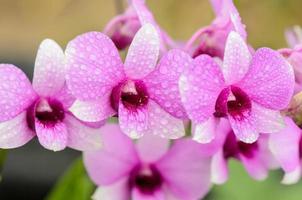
[94,66]
[163,124]
[15,132]
[289,137]
[185,181]
[219,169]
[200,85]
[245,129]
[65,97]
[151,148]
[49,73]
[205,132]
[143,53]
[267,121]
[270,80]
[118,190]
[54,138]
[16,93]
[92,111]
[236,59]
[162,83]
[115,160]
[82,137]
[134,123]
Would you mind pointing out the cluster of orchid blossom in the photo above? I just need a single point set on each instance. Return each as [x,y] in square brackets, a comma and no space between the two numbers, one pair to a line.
[190,106]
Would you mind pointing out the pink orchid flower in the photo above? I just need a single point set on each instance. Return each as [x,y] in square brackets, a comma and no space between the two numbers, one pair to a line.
[211,40]
[286,146]
[255,157]
[148,169]
[294,54]
[122,28]
[247,90]
[144,95]
[41,109]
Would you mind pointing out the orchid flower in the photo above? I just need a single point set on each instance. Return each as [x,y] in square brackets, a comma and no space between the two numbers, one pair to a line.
[144,95]
[41,109]
[248,90]
[148,169]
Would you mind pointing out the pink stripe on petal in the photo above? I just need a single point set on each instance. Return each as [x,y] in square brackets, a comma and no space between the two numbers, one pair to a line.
[151,148]
[270,80]
[115,160]
[82,137]
[94,66]
[190,181]
[52,137]
[163,124]
[16,93]
[15,132]
[143,53]
[162,83]
[92,111]
[236,59]
[118,190]
[49,72]
[133,123]
[199,87]
[219,168]
[285,145]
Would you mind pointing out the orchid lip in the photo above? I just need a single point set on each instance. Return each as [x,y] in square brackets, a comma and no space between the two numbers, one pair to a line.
[47,111]
[146,178]
[234,148]
[132,93]
[234,102]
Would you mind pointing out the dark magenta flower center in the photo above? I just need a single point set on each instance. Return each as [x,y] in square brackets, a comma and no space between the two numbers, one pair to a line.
[146,178]
[132,94]
[232,148]
[46,111]
[233,101]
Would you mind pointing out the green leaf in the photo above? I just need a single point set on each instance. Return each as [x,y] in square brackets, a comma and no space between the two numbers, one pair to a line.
[74,184]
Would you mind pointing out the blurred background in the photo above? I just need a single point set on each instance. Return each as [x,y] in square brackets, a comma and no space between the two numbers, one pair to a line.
[31,171]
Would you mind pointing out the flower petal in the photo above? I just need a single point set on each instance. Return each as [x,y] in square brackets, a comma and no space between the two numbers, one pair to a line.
[49,73]
[82,137]
[118,190]
[115,160]
[151,148]
[267,121]
[133,123]
[52,137]
[16,93]
[205,132]
[289,137]
[186,181]
[199,87]
[245,129]
[94,66]
[162,83]
[156,195]
[236,59]
[270,80]
[143,53]
[92,111]
[65,97]
[292,177]
[219,168]
[15,132]
[163,124]
[255,167]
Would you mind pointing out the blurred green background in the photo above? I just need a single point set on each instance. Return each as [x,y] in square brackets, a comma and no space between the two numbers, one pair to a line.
[25,23]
